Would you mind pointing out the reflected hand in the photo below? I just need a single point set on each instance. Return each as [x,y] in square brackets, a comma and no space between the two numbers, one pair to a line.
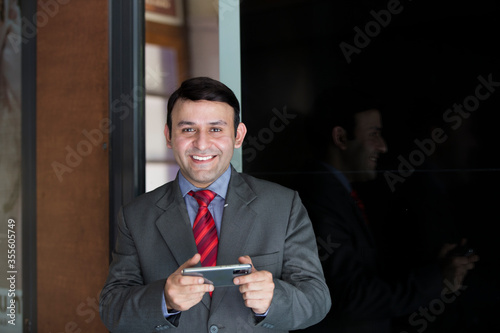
[455,267]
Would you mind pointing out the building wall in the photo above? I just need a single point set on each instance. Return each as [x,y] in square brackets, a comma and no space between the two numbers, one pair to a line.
[72,164]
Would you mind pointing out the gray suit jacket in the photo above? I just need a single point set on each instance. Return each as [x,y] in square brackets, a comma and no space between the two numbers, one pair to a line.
[263,220]
[365,300]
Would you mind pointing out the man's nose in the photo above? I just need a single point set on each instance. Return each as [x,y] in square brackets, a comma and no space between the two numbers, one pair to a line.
[202,140]
[382,145]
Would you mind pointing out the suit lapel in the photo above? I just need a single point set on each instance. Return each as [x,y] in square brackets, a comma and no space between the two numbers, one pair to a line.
[174,225]
[237,220]
[237,224]
[332,181]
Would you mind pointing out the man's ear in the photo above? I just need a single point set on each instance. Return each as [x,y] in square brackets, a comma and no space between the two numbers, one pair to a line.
[166,132]
[339,136]
[241,131]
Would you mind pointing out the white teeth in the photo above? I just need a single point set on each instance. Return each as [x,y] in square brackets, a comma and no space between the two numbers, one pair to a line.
[201,158]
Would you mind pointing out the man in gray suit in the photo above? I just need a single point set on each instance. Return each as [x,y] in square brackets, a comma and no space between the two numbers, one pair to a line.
[369,290]
[257,222]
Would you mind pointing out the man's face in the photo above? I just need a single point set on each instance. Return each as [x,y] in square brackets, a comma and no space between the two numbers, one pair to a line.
[363,152]
[203,139]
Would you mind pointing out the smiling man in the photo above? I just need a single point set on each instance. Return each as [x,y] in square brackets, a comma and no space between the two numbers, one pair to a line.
[346,138]
[212,215]
[202,135]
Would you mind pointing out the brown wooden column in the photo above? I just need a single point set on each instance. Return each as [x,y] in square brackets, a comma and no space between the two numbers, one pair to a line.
[72,164]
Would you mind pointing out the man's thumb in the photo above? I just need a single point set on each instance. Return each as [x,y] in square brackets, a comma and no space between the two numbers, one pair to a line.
[190,262]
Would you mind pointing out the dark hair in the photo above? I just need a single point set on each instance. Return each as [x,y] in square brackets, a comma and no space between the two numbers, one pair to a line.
[204,88]
[336,106]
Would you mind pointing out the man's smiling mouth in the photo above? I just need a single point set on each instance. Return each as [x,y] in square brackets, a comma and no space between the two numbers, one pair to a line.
[203,158]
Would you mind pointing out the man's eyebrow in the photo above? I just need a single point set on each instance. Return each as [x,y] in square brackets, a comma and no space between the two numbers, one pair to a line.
[218,122]
[185,123]
[191,123]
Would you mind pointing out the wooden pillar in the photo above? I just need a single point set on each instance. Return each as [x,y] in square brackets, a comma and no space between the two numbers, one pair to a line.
[72,163]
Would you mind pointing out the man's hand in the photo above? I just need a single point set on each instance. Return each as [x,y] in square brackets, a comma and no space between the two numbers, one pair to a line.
[455,267]
[257,288]
[183,292]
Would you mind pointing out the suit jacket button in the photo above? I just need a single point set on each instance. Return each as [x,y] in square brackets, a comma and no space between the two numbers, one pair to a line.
[214,329]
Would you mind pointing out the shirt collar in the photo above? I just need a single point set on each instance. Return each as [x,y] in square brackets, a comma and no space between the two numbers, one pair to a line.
[219,186]
[340,176]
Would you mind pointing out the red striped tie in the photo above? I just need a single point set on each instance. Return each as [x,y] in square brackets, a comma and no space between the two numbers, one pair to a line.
[360,204]
[205,233]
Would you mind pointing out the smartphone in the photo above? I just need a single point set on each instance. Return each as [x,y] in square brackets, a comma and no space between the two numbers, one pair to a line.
[219,276]
[463,251]
[468,252]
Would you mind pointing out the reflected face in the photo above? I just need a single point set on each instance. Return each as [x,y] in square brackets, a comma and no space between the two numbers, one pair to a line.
[363,152]
[203,139]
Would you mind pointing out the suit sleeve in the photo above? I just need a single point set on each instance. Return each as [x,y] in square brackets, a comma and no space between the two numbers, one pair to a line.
[301,296]
[126,304]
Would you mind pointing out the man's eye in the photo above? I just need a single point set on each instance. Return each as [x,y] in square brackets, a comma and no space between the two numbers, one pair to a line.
[216,130]
[188,129]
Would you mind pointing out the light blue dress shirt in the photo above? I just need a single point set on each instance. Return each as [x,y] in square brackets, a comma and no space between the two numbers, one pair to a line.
[216,207]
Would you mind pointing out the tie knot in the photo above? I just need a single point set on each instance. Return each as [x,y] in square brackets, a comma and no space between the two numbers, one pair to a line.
[204,197]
